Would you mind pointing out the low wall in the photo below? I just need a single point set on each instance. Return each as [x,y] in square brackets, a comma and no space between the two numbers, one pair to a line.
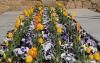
[17,5]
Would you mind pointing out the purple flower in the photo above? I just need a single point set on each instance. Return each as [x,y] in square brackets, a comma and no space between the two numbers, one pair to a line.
[22,49]
[17,61]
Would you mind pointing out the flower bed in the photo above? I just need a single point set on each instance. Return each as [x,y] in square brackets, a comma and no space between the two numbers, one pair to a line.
[48,34]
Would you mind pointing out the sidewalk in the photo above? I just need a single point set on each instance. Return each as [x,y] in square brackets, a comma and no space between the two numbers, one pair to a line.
[7,22]
[89,20]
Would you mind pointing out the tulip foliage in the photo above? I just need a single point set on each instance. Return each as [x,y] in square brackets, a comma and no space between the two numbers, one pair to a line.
[48,34]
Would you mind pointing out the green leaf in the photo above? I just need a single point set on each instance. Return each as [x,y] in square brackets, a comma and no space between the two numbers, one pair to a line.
[36,61]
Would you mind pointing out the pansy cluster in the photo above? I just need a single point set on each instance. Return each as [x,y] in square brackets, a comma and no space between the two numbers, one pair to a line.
[48,34]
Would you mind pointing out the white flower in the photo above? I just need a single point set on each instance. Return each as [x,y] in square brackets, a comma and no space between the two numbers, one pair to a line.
[1,52]
[17,51]
[63,55]
[94,49]
[31,27]
[6,39]
[48,57]
[46,46]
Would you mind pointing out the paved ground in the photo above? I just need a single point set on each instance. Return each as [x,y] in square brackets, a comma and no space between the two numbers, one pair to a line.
[89,20]
[7,22]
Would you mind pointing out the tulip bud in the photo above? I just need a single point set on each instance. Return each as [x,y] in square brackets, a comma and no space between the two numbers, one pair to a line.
[4,55]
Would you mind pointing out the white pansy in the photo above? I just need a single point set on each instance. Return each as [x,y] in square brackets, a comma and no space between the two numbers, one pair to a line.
[48,57]
[63,55]
[46,46]
[73,59]
[1,52]
[32,27]
[6,39]
[17,51]
[23,39]
[94,49]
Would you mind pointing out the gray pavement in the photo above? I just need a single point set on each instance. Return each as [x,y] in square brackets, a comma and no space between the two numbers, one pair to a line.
[7,22]
[89,20]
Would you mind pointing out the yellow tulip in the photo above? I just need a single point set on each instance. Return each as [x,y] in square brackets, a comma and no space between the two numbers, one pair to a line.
[20,17]
[59,30]
[97,56]
[28,59]
[91,57]
[10,35]
[56,59]
[53,14]
[55,18]
[40,8]
[73,14]
[30,52]
[77,24]
[41,28]
[9,60]
[52,9]
[24,11]
[59,4]
[31,7]
[40,40]
[27,15]
[42,4]
[59,42]
[65,13]
[29,12]
[7,43]
[15,30]
[18,21]
[17,25]
[88,50]
[4,55]
[64,9]
[72,17]
[57,26]
[47,3]
[34,49]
